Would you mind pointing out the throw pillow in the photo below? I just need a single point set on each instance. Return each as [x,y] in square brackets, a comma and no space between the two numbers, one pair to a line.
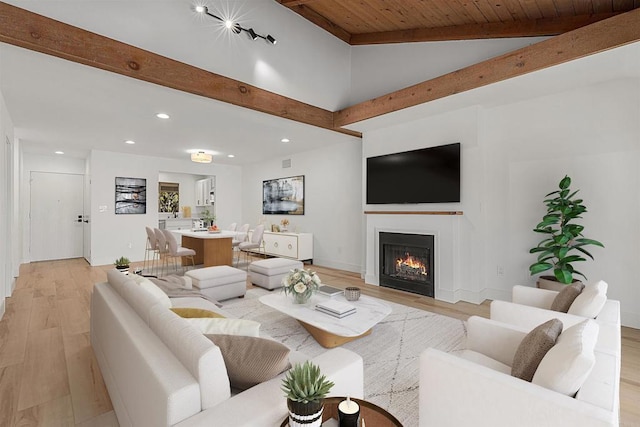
[225,326]
[533,348]
[565,297]
[568,364]
[150,287]
[195,313]
[590,302]
[251,360]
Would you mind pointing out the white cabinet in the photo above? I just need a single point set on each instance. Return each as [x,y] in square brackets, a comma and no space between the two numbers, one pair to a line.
[289,245]
[205,192]
[178,223]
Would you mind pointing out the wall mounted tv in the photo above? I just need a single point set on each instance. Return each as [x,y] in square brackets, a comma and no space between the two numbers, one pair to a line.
[427,175]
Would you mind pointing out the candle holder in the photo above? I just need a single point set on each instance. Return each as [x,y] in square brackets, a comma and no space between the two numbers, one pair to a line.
[348,413]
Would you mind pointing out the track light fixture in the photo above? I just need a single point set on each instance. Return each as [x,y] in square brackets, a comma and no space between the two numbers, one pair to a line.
[235,27]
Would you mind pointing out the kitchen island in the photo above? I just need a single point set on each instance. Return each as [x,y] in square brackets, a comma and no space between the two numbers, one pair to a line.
[211,248]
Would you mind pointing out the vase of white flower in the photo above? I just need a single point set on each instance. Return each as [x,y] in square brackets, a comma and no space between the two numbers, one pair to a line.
[301,284]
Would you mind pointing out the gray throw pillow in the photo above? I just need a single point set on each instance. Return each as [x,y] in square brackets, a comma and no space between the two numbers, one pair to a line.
[533,348]
[251,360]
[565,297]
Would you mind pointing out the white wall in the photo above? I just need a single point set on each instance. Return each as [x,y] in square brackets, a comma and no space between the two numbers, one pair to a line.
[513,155]
[112,234]
[380,69]
[333,194]
[7,243]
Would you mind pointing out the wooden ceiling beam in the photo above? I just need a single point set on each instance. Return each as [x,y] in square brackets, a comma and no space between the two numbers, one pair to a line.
[29,30]
[608,34]
[532,28]
[322,22]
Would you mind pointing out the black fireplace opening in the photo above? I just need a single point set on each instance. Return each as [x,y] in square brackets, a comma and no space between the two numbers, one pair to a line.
[406,262]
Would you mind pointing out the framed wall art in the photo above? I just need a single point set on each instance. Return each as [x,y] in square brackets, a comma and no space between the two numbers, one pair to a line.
[283,196]
[131,195]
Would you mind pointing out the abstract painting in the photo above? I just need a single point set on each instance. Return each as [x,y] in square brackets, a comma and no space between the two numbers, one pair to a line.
[283,196]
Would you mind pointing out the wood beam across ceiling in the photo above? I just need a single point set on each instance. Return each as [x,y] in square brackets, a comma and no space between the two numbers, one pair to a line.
[598,37]
[492,30]
[29,30]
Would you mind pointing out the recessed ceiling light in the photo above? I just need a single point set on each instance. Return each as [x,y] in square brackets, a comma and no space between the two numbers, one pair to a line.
[129,142]
[231,156]
[285,140]
[59,152]
[162,115]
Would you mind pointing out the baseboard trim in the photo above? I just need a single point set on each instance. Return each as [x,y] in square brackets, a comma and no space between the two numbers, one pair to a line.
[353,268]
[630,319]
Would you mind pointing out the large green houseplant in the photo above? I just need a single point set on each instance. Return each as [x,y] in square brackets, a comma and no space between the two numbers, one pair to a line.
[564,243]
[305,388]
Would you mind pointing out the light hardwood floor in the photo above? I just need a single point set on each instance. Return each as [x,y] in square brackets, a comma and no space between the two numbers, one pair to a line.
[49,376]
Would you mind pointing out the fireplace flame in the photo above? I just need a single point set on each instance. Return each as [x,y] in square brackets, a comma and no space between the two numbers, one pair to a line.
[411,263]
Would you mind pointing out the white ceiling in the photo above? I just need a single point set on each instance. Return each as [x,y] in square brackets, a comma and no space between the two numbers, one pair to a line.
[60,105]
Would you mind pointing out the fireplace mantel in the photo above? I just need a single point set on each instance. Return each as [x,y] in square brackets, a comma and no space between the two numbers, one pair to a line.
[413,212]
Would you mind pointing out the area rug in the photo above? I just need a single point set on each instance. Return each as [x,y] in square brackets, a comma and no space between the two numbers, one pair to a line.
[391,353]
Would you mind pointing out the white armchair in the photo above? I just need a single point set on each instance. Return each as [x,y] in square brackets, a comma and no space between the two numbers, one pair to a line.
[473,387]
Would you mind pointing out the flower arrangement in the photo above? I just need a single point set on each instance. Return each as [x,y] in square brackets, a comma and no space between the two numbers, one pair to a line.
[284,223]
[301,284]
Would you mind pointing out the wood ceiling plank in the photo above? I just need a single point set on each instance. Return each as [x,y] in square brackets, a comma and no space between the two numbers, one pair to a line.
[617,31]
[501,11]
[292,3]
[322,22]
[26,29]
[465,15]
[622,5]
[534,28]
[517,11]
[582,7]
[531,9]
[602,6]
[547,8]
[564,7]
[485,8]
[473,11]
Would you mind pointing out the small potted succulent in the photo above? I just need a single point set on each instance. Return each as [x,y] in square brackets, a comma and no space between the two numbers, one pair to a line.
[122,263]
[564,243]
[305,388]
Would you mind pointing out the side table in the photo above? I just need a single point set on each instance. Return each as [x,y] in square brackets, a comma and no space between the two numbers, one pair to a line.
[373,415]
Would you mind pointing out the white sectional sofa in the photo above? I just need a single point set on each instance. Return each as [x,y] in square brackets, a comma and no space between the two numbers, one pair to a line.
[457,391]
[162,371]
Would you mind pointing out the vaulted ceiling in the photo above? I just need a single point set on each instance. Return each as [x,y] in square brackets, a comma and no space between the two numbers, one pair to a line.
[359,22]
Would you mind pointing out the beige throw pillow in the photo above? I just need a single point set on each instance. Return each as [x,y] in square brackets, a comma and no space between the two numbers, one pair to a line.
[590,301]
[226,326]
[195,313]
[565,297]
[568,364]
[533,348]
[251,360]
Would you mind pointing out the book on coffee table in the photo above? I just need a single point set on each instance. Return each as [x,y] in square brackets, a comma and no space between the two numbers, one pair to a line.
[329,290]
[335,308]
[331,313]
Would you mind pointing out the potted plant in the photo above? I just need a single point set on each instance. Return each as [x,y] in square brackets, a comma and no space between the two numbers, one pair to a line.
[122,263]
[305,389]
[564,243]
[208,217]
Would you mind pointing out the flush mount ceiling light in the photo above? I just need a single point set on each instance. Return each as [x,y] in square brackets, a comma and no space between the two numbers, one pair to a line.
[59,152]
[285,140]
[235,27]
[201,157]
[130,142]
[162,115]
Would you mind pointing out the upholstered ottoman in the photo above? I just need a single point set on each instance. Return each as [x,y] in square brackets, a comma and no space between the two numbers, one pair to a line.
[220,282]
[268,273]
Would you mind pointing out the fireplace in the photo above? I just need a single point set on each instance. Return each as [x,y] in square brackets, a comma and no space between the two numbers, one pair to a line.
[406,262]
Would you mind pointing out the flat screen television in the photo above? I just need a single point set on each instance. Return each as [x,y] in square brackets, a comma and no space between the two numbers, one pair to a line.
[427,175]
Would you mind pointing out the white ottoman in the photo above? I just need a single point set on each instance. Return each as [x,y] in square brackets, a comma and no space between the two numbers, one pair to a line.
[268,273]
[220,282]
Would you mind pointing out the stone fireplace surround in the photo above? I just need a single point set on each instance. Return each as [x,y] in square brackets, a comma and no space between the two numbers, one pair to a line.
[454,280]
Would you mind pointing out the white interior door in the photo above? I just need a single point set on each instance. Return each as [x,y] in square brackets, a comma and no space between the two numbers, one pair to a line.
[56,216]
